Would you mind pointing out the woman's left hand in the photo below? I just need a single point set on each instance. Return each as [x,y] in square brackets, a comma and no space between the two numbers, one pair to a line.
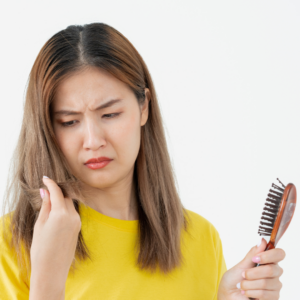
[244,280]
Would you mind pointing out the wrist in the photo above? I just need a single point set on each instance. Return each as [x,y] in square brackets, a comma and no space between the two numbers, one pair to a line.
[46,293]
[46,288]
[221,295]
[222,292]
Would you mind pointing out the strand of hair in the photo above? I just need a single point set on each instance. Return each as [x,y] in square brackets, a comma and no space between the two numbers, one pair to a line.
[277,187]
[281,182]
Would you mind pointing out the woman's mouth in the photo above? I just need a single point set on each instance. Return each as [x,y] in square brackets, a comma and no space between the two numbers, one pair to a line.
[98,165]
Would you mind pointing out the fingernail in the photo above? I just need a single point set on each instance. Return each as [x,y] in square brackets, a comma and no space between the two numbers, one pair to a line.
[256,259]
[45,176]
[238,285]
[259,243]
[42,193]
[243,275]
[243,292]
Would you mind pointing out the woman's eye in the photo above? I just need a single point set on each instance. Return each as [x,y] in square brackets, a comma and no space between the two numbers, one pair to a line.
[108,116]
[67,124]
[114,115]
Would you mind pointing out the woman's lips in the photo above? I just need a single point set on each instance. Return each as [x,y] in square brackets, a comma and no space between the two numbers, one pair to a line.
[99,165]
[97,160]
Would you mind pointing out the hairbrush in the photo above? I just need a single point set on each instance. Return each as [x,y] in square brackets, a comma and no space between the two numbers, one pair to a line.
[277,213]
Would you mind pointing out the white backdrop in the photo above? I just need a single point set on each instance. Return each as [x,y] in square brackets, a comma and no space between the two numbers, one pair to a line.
[227,78]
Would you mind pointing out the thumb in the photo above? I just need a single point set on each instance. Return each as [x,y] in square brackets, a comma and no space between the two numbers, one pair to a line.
[247,262]
[46,205]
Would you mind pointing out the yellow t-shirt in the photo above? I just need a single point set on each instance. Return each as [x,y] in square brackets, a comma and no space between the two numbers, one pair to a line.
[113,274]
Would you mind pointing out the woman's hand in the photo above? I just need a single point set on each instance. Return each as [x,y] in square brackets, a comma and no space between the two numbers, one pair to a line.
[54,242]
[244,280]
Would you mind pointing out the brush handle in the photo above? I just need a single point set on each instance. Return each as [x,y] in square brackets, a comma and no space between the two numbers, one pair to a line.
[269,246]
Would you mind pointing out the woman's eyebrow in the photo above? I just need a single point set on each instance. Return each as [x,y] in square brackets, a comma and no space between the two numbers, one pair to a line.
[72,112]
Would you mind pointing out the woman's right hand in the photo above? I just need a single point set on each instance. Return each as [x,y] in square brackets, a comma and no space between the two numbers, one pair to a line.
[54,242]
[245,280]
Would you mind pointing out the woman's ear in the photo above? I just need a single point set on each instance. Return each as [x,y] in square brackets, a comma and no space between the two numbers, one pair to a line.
[145,107]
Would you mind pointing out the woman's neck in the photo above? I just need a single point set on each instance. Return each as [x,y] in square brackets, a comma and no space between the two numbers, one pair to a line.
[119,201]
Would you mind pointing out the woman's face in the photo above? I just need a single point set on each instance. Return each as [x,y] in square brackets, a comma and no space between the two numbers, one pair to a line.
[113,131]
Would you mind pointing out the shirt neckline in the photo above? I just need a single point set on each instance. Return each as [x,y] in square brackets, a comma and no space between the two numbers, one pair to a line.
[123,225]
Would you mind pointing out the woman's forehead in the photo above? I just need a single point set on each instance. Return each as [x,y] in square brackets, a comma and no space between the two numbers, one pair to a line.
[90,87]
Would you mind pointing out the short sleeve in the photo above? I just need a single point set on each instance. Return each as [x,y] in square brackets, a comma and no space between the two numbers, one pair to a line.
[12,286]
[12,283]
[222,268]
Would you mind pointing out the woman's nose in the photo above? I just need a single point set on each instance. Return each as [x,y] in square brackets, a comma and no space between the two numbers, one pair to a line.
[93,135]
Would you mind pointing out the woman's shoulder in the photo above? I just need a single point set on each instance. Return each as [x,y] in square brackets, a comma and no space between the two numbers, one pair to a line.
[5,231]
[15,279]
[200,220]
[203,245]
[201,227]
[7,243]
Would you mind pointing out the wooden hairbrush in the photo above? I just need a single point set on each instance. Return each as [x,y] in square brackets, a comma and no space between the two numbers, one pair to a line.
[278,213]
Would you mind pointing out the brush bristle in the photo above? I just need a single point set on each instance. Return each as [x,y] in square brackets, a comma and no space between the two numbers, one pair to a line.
[270,211]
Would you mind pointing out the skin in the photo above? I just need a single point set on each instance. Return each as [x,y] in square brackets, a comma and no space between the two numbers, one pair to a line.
[260,282]
[55,235]
[93,134]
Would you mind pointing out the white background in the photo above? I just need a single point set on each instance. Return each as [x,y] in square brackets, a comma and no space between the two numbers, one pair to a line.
[227,78]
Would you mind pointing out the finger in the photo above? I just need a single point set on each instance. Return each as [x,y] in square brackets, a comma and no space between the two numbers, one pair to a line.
[56,196]
[262,284]
[247,262]
[271,256]
[263,271]
[46,206]
[262,294]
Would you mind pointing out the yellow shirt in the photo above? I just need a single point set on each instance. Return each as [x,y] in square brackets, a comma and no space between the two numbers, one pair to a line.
[113,275]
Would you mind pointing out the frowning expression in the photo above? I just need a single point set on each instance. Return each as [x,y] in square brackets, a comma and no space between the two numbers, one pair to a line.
[95,114]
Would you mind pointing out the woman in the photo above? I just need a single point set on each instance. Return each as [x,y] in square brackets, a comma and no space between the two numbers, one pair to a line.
[111,224]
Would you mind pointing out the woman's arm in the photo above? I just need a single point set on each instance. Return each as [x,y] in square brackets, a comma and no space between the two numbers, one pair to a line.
[46,290]
[54,243]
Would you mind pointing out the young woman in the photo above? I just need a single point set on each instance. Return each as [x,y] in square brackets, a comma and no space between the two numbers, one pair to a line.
[111,224]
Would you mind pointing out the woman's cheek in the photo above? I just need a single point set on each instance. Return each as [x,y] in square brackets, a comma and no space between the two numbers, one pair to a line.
[68,144]
[127,139]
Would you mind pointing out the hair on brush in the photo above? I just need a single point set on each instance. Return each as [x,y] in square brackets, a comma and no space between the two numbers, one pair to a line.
[277,213]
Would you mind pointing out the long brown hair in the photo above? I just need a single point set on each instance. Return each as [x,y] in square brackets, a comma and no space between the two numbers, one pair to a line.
[161,213]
